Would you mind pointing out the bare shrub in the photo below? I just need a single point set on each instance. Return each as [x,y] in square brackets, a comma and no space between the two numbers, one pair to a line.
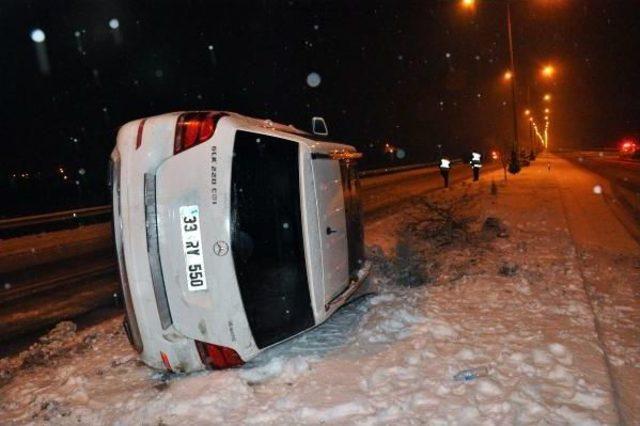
[444,222]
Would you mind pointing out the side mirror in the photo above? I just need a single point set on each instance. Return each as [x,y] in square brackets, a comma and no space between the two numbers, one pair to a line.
[319,127]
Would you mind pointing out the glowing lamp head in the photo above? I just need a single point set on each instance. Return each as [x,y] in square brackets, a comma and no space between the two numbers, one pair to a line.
[548,71]
[468,4]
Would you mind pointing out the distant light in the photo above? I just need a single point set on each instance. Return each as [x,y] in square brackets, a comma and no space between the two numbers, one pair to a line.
[597,189]
[210,47]
[546,110]
[548,71]
[114,24]
[82,172]
[508,75]
[527,112]
[401,153]
[547,97]
[38,36]
[468,4]
[314,79]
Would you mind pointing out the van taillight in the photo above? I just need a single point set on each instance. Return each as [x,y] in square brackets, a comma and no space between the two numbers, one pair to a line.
[218,357]
[139,136]
[193,128]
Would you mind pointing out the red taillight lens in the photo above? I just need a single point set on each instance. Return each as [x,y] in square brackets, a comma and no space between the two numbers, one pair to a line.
[193,128]
[165,361]
[218,357]
[139,136]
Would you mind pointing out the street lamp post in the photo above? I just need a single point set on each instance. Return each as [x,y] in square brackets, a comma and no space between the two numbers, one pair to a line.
[514,165]
[532,139]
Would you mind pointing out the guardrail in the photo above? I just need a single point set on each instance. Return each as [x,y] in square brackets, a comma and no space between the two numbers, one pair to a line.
[18,223]
[39,219]
[389,170]
[17,226]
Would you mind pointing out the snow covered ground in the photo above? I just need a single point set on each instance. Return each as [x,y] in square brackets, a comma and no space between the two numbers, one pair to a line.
[512,296]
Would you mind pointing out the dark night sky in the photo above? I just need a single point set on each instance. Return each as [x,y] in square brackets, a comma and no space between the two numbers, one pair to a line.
[415,74]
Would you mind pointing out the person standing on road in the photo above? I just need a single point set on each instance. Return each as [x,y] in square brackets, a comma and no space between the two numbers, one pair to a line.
[445,167]
[476,164]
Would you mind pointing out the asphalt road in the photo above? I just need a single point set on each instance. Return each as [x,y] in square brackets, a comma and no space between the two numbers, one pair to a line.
[622,176]
[53,300]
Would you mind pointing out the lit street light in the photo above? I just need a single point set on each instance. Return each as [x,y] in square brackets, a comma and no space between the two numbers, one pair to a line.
[546,110]
[527,112]
[548,71]
[547,97]
[468,4]
[507,75]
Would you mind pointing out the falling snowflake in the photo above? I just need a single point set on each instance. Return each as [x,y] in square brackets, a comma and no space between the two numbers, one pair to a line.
[313,79]
[38,36]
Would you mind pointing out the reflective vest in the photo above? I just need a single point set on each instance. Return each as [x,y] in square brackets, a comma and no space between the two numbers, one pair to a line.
[445,164]
[475,160]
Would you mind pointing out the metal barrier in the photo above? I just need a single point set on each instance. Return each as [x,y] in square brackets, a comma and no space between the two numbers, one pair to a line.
[389,170]
[93,212]
[39,219]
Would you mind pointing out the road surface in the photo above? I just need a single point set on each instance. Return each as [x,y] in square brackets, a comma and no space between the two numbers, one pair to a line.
[60,275]
[623,179]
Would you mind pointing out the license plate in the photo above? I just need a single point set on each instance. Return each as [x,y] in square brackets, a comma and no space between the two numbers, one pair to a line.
[192,247]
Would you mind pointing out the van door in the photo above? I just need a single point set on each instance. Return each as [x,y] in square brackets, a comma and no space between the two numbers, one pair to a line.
[332,224]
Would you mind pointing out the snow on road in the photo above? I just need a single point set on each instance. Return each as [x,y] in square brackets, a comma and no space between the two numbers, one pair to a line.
[515,304]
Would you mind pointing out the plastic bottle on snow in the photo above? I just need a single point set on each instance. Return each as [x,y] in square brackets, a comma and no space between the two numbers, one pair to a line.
[471,374]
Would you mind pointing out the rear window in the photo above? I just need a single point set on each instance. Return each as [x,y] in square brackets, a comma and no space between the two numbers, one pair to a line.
[266,237]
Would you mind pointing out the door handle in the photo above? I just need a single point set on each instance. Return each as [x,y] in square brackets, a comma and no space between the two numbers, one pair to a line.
[331,231]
